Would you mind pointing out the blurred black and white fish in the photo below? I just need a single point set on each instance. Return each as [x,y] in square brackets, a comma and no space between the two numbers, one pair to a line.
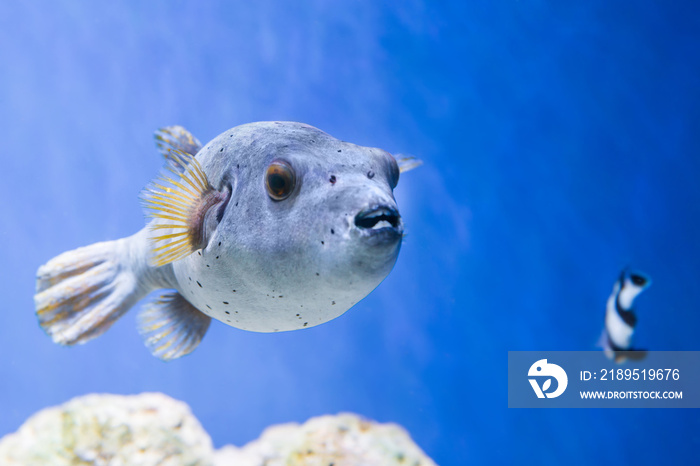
[620,319]
[270,227]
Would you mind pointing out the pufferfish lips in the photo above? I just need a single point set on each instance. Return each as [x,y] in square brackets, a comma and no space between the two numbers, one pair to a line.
[379,220]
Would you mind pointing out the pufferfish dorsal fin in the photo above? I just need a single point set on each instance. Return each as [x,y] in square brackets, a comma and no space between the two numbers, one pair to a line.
[171,327]
[407,162]
[178,203]
[176,138]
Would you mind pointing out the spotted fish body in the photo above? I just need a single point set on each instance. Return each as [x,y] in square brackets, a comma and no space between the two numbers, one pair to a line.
[233,240]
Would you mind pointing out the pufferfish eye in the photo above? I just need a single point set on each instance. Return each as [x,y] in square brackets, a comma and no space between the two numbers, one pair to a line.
[280,180]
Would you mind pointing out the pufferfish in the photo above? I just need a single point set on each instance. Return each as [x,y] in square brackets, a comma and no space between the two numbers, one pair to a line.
[270,227]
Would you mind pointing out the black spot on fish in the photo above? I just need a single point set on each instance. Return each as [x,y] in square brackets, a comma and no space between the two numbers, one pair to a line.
[229,320]
[317,274]
[227,312]
[280,296]
[234,291]
[322,242]
[297,315]
[333,179]
[236,204]
[225,302]
[219,243]
[238,166]
[333,303]
[370,174]
[190,278]
[340,150]
[305,324]
[217,257]
[332,231]
[208,306]
[207,265]
[200,285]
[236,313]
[222,149]
[199,252]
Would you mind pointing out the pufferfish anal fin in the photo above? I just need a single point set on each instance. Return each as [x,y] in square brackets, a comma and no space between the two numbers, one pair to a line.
[407,162]
[171,327]
[176,138]
[180,203]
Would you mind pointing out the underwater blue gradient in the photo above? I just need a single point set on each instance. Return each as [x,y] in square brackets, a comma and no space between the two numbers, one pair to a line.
[561,143]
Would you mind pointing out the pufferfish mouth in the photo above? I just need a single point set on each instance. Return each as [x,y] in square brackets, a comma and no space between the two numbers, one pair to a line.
[378,218]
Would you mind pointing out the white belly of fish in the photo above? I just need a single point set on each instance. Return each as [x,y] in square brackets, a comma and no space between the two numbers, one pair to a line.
[252,303]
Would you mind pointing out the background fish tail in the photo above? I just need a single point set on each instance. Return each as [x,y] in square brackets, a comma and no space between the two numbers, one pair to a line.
[81,293]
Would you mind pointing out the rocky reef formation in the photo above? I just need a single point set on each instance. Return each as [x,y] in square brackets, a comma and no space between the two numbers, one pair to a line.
[110,430]
[153,429]
[344,439]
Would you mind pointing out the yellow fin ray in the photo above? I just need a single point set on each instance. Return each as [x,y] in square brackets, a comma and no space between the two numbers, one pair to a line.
[171,327]
[176,138]
[173,203]
[171,235]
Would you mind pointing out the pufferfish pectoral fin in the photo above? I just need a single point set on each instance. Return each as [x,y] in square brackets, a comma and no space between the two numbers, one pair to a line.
[180,203]
[171,327]
[176,138]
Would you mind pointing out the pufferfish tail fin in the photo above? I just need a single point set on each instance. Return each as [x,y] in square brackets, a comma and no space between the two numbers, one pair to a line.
[81,293]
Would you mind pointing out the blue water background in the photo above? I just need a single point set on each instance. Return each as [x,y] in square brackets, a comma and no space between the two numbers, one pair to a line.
[561,143]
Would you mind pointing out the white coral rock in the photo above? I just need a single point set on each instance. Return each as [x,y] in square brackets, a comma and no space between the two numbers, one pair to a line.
[342,440]
[153,429]
[114,430]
